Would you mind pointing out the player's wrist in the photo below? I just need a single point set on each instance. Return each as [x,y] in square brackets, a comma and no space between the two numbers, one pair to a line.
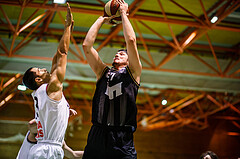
[31,138]
[101,19]
[123,12]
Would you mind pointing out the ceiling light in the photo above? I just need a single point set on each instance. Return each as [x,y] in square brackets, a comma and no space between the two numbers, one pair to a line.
[164,102]
[214,19]
[171,111]
[144,121]
[59,1]
[190,38]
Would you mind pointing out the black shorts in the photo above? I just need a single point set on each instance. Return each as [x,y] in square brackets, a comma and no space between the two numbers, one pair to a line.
[109,144]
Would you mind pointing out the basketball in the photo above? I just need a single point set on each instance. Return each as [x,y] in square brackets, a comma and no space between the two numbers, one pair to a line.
[112,8]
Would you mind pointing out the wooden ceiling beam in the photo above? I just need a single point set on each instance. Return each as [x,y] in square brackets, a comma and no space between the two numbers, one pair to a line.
[115,31]
[201,60]
[24,44]
[234,108]
[10,81]
[157,41]
[162,124]
[160,36]
[78,49]
[30,33]
[214,101]
[149,101]
[75,54]
[231,8]
[16,29]
[177,46]
[4,48]
[10,26]
[6,99]
[158,111]
[45,26]
[231,66]
[136,17]
[168,57]
[194,16]
[214,54]
[189,102]
[185,43]
[30,17]
[144,44]
[204,13]
[235,73]
[31,22]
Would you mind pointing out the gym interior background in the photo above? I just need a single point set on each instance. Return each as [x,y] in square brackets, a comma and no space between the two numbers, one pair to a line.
[189,99]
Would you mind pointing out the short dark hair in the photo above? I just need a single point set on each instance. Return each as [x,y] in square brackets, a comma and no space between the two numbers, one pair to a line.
[125,50]
[210,153]
[29,79]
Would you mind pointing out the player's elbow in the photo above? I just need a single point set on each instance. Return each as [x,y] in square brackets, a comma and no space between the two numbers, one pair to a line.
[131,40]
[140,66]
[139,69]
[86,47]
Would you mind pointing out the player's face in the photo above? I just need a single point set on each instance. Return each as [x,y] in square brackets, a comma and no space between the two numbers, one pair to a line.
[121,57]
[207,157]
[42,73]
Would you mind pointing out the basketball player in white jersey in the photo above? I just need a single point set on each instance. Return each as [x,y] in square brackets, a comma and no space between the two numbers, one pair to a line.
[30,140]
[51,107]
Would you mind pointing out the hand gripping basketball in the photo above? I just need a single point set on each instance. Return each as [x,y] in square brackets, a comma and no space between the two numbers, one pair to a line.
[112,9]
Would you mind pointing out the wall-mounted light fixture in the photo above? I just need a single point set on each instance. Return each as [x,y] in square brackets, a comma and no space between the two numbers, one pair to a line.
[189,39]
[59,1]
[22,87]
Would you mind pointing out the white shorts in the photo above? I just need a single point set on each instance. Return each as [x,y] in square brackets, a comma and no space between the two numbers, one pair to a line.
[46,151]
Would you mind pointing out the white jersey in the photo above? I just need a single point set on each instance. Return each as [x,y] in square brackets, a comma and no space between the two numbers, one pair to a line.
[25,148]
[51,117]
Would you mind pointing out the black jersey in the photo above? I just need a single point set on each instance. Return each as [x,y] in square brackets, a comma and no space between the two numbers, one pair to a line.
[114,101]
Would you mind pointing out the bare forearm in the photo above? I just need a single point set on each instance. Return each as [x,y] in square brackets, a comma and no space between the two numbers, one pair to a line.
[128,31]
[54,62]
[92,33]
[65,40]
[60,58]
[131,43]
[69,153]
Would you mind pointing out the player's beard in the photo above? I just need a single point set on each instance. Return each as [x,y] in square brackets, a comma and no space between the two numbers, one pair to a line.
[114,64]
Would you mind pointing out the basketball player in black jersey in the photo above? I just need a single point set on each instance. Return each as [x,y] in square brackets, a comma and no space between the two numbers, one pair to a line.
[114,103]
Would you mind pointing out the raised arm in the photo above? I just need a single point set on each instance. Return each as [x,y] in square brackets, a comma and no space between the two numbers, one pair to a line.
[91,54]
[59,61]
[131,44]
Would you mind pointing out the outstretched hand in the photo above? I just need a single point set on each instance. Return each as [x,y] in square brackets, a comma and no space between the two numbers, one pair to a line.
[123,6]
[69,18]
[72,112]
